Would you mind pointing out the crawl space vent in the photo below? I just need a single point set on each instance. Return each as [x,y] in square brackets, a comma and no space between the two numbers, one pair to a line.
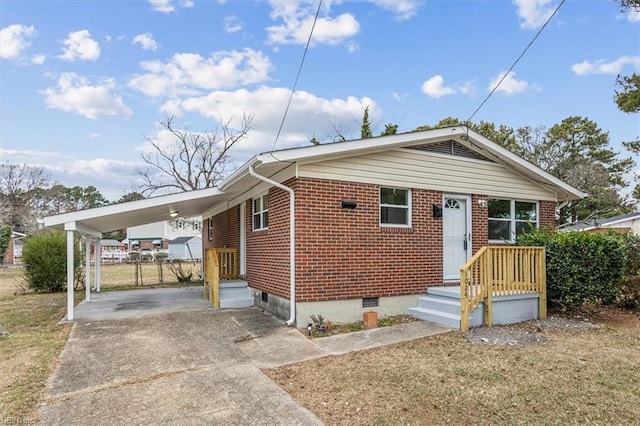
[369,302]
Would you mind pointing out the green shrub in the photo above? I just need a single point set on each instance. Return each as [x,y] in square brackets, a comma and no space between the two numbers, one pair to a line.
[632,246]
[45,256]
[581,266]
[5,238]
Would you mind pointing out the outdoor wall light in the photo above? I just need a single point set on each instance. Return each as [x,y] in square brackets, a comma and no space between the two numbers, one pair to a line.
[437,210]
[173,214]
[482,202]
[348,204]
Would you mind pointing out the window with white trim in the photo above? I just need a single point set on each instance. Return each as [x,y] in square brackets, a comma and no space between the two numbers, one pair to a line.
[508,218]
[261,212]
[395,207]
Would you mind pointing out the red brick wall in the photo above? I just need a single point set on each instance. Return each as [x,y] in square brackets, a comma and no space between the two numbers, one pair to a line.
[8,256]
[547,219]
[345,254]
[268,250]
[479,223]
[226,229]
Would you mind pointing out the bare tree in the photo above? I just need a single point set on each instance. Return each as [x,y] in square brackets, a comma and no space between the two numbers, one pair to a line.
[193,160]
[19,186]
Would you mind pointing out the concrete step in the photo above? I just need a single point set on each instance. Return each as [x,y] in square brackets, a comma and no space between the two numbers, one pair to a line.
[233,295]
[438,317]
[451,292]
[440,303]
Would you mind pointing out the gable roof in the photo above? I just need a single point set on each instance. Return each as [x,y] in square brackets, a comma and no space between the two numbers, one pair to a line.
[182,240]
[603,223]
[269,163]
[199,202]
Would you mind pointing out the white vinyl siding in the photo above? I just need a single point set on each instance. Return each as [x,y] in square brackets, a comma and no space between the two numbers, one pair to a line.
[423,170]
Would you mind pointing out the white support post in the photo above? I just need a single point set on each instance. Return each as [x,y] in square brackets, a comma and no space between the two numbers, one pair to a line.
[98,263]
[87,271]
[70,250]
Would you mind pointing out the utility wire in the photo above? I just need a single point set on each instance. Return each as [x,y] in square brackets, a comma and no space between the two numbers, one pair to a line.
[517,60]
[295,84]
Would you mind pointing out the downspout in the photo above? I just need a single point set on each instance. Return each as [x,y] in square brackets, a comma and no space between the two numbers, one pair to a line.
[292,241]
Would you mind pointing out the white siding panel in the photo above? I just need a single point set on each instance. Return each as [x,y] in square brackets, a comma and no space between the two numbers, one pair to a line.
[404,168]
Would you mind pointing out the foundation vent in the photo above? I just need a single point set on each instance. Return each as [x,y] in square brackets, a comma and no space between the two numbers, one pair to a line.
[370,302]
[265,297]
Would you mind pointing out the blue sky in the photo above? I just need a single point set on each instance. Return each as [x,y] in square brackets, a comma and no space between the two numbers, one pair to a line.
[82,83]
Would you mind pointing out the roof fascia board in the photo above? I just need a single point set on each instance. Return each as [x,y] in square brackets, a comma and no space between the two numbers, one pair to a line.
[355,147]
[81,215]
[615,222]
[82,228]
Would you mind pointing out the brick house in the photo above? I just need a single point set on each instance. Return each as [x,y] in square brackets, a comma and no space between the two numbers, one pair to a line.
[341,228]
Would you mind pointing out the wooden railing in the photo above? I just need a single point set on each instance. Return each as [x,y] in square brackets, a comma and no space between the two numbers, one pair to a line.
[212,277]
[502,271]
[228,261]
[219,263]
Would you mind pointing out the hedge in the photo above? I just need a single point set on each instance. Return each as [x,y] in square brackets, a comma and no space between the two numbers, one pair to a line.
[581,266]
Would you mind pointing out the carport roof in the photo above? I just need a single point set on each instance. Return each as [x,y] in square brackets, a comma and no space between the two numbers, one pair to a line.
[134,213]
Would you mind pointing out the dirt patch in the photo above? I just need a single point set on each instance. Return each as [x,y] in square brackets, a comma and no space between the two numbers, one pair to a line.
[321,328]
[528,333]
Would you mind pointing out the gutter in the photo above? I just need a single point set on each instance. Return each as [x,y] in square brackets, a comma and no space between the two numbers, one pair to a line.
[292,239]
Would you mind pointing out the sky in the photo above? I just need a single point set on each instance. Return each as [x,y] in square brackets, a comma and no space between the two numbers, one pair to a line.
[84,83]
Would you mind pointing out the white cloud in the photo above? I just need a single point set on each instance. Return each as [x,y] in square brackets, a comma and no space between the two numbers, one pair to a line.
[28,154]
[602,67]
[533,13]
[510,85]
[402,9]
[38,59]
[298,20]
[232,24]
[146,41]
[166,6]
[189,73]
[308,114]
[13,40]
[435,88]
[77,94]
[80,46]
[163,6]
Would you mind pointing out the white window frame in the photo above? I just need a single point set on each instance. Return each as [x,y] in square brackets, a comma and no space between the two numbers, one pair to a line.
[512,218]
[261,213]
[381,205]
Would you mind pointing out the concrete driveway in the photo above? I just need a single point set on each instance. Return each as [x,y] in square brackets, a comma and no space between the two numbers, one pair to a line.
[167,356]
[179,367]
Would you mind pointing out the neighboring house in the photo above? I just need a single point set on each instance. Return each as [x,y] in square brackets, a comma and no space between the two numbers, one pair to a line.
[155,237]
[623,223]
[13,255]
[343,228]
[185,248]
[377,221]
[112,251]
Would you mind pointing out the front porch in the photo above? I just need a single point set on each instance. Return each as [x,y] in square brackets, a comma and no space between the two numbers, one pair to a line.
[222,284]
[499,285]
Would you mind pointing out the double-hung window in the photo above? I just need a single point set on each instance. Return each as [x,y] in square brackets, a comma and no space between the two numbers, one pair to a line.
[508,218]
[261,212]
[395,207]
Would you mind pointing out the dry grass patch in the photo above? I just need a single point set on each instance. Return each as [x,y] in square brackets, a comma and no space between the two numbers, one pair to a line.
[578,377]
[29,352]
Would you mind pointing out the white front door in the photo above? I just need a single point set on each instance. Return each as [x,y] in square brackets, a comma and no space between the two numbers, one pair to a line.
[455,232]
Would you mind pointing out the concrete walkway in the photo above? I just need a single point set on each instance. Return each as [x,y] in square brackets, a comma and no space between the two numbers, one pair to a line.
[187,364]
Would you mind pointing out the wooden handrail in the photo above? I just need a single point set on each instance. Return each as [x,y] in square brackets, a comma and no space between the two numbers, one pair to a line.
[501,271]
[212,277]
[228,261]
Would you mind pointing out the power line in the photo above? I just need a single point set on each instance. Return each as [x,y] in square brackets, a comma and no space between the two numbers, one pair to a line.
[295,84]
[517,60]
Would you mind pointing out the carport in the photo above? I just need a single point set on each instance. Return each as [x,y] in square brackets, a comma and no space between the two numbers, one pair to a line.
[91,223]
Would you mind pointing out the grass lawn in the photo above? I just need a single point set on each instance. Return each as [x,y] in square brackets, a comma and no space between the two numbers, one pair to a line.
[577,377]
